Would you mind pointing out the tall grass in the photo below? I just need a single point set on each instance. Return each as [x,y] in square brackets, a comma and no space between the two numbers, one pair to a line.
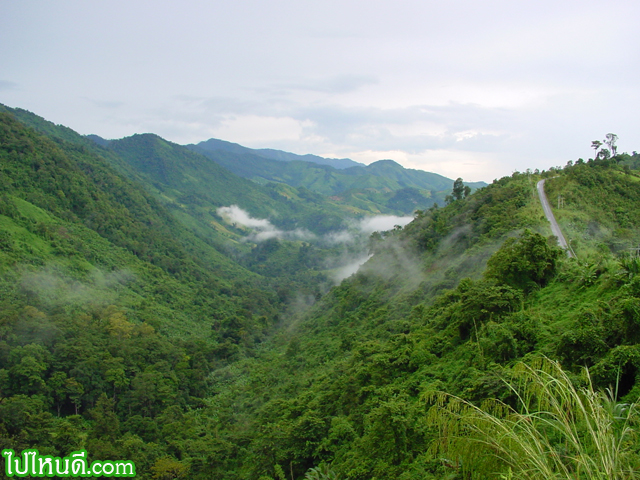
[559,430]
[321,472]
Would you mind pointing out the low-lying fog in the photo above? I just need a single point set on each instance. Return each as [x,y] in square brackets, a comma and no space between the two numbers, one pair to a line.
[353,239]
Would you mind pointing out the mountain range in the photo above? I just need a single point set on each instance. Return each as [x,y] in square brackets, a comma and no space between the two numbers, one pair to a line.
[382,187]
[214,144]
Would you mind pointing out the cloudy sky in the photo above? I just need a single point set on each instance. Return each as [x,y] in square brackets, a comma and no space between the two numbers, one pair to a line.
[466,88]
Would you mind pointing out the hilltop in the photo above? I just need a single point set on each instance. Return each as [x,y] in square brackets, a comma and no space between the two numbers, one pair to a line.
[214,144]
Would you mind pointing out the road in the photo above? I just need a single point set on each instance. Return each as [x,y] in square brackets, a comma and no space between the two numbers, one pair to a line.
[555,228]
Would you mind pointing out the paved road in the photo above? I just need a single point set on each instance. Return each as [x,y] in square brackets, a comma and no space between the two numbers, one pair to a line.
[555,228]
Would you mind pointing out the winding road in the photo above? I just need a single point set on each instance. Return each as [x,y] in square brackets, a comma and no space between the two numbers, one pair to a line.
[555,228]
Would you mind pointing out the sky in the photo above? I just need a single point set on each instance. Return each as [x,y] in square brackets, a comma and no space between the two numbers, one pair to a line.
[463,88]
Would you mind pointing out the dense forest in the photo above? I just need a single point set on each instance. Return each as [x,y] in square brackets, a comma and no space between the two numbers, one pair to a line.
[135,324]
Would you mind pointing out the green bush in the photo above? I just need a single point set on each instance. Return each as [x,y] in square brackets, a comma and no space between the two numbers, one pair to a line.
[525,263]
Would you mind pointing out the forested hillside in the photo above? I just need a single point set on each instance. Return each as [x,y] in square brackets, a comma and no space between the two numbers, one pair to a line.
[192,180]
[128,331]
[106,300]
[382,187]
[450,303]
[302,225]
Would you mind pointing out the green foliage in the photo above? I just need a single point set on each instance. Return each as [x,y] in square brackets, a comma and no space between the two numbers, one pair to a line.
[458,189]
[132,325]
[558,430]
[168,469]
[498,209]
[323,472]
[600,205]
[526,263]
[382,187]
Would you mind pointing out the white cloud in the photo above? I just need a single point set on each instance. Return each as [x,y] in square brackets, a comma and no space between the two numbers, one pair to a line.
[254,130]
[343,236]
[7,85]
[365,227]
[498,84]
[351,267]
[471,167]
[354,252]
[263,229]
[381,223]
[235,214]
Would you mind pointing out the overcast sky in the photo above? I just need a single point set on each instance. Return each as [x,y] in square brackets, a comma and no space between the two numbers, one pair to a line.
[466,88]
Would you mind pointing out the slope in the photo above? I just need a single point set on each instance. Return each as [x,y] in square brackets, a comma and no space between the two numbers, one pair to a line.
[360,366]
[180,173]
[193,189]
[78,189]
[111,312]
[195,184]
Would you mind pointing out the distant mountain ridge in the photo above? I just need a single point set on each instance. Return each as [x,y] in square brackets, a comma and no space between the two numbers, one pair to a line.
[380,179]
[98,139]
[382,182]
[214,144]
[191,183]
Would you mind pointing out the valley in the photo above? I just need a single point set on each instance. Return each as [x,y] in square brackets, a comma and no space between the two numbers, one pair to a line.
[212,311]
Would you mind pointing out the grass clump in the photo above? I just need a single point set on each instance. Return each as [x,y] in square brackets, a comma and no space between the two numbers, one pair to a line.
[560,429]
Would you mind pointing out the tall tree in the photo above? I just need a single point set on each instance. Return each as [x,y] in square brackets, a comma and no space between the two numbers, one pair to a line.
[458,189]
[596,144]
[611,140]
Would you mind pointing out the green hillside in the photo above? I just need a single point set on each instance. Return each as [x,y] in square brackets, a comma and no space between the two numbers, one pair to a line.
[106,300]
[180,173]
[374,187]
[192,182]
[446,304]
[68,186]
[125,331]
[193,188]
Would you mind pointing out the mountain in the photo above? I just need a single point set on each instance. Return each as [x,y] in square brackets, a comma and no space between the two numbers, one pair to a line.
[61,186]
[193,189]
[99,140]
[180,174]
[407,177]
[220,145]
[377,184]
[126,331]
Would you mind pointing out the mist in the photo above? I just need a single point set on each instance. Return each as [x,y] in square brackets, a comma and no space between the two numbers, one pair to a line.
[349,248]
[356,245]
[351,266]
[52,287]
[382,223]
[262,229]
